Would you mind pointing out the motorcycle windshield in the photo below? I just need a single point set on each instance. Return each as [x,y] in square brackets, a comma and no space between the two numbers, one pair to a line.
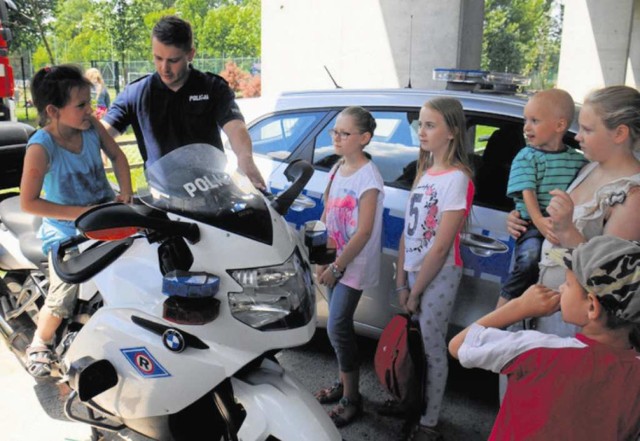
[192,181]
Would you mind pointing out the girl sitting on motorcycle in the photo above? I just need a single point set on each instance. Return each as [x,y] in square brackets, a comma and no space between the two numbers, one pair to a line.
[63,176]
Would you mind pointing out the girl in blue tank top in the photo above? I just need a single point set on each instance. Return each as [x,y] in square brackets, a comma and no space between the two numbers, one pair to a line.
[63,176]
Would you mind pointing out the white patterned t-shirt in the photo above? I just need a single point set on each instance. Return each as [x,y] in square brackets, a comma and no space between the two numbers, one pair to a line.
[342,223]
[435,193]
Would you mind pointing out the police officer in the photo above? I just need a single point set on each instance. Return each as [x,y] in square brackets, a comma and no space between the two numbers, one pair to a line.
[179,105]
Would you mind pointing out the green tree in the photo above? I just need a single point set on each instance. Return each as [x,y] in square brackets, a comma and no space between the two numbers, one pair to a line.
[77,32]
[30,25]
[87,30]
[194,11]
[124,19]
[231,30]
[521,36]
[84,30]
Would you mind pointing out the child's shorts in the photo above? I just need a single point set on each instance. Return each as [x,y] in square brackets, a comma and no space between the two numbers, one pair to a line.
[62,296]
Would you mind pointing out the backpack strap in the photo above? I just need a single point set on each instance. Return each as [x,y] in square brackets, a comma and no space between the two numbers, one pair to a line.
[332,175]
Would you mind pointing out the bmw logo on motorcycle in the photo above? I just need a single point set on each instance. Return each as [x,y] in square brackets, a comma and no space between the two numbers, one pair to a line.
[173,340]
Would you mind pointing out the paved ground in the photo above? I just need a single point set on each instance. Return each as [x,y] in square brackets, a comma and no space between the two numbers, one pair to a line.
[23,416]
[469,408]
[32,411]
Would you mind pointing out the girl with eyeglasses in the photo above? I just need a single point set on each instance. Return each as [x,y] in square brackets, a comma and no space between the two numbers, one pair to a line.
[353,215]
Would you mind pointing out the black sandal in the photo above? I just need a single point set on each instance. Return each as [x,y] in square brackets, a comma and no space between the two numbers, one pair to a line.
[345,411]
[424,433]
[330,394]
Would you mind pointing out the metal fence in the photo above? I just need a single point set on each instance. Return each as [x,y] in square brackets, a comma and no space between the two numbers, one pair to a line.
[117,75]
[131,151]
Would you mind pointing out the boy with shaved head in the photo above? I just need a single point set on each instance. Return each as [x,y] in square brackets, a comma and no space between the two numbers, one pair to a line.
[545,164]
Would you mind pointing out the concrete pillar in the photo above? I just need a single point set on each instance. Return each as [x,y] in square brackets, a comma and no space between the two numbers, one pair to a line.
[366,43]
[600,45]
[633,63]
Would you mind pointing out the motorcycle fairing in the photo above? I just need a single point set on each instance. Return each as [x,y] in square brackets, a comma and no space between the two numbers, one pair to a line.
[157,328]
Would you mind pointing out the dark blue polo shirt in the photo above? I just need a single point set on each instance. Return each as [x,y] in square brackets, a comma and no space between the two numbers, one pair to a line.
[164,120]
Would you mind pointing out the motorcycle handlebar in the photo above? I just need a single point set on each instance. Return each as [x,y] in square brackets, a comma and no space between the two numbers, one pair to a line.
[80,268]
[113,216]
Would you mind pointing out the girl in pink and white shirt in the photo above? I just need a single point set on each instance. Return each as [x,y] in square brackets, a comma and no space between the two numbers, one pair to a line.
[353,214]
[429,262]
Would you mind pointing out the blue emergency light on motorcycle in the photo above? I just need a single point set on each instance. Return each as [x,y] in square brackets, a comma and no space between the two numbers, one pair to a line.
[188,284]
[191,297]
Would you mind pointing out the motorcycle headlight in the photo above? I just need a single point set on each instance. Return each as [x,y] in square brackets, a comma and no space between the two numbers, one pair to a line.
[274,297]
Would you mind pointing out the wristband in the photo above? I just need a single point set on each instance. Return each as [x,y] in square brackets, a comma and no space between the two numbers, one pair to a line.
[335,271]
[402,288]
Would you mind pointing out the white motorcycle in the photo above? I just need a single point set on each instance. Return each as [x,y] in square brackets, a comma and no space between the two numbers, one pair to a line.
[184,302]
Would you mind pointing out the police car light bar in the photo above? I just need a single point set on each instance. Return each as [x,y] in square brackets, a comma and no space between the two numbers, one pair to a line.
[481,80]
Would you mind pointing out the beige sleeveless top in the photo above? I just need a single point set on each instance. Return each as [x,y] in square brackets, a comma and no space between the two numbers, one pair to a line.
[589,218]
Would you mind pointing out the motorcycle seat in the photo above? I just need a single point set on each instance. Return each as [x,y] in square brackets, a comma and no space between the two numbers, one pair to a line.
[16,220]
[31,247]
[25,227]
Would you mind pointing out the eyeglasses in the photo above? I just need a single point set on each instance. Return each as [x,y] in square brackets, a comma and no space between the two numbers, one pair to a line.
[342,135]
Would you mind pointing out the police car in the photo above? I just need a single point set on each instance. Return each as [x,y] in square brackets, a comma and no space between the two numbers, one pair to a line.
[295,126]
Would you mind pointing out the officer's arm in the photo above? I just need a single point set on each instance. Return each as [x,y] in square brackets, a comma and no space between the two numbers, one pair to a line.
[110,129]
[236,131]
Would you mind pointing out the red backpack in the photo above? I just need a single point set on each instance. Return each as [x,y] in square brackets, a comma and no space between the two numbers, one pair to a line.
[400,363]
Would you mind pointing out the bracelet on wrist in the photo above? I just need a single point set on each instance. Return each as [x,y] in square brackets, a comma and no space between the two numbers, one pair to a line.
[335,271]
[402,288]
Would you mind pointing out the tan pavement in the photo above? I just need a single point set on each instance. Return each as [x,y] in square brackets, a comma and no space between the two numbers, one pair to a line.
[22,416]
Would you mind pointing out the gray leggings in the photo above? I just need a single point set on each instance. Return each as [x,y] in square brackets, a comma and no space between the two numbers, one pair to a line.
[436,305]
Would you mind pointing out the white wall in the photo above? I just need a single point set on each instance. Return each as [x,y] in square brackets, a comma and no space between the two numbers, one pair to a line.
[366,43]
[600,45]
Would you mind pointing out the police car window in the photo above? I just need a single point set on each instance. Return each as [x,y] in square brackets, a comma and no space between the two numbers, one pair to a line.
[394,147]
[495,144]
[279,135]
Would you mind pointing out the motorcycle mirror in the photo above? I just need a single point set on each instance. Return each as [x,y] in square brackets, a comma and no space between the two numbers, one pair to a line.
[298,172]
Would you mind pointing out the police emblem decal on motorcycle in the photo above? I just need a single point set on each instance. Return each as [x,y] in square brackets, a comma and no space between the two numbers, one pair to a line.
[173,340]
[146,365]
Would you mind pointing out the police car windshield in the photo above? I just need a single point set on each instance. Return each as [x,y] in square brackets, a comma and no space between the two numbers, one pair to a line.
[192,181]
